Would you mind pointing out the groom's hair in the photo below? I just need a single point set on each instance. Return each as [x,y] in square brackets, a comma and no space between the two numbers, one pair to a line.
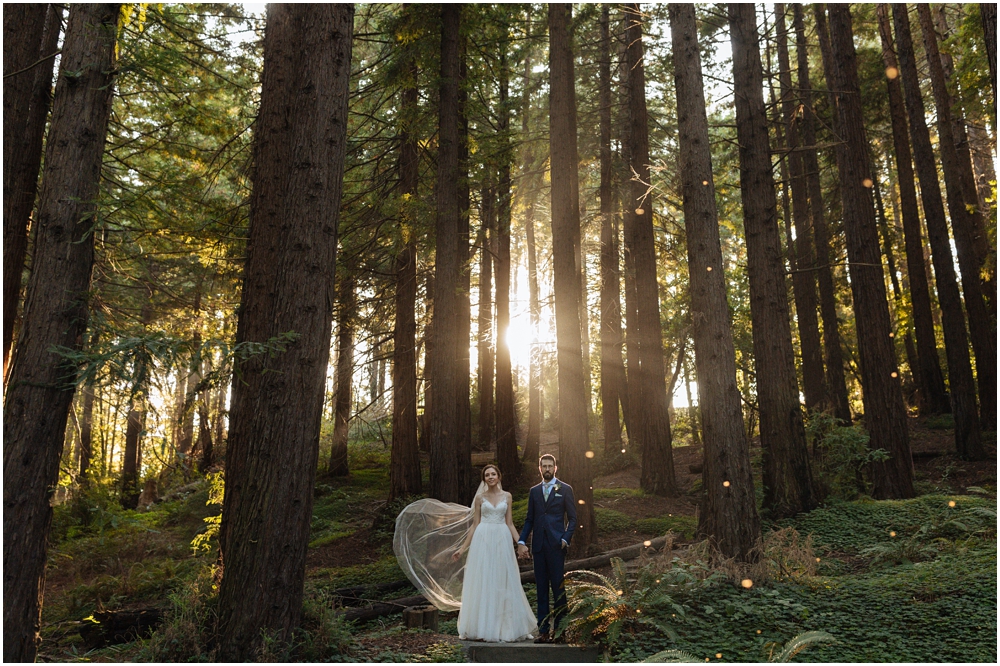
[547,456]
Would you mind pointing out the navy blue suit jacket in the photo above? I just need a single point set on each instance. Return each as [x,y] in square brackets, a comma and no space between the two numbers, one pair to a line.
[548,517]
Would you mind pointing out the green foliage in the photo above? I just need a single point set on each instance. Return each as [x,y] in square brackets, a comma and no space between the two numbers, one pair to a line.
[601,607]
[683,526]
[202,543]
[442,653]
[940,422]
[845,454]
[609,520]
[785,655]
[186,633]
[383,570]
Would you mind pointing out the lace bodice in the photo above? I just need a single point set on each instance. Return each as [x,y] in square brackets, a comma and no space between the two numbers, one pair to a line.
[493,514]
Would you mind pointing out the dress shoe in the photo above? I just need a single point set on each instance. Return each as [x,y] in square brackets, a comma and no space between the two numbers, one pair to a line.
[543,638]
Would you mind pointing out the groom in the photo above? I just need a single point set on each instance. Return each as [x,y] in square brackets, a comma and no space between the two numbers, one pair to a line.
[551,521]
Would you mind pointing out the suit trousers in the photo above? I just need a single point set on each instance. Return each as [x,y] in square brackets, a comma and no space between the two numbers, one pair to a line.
[549,562]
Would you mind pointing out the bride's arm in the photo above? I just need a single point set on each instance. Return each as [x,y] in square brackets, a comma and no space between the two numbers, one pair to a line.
[510,517]
[475,524]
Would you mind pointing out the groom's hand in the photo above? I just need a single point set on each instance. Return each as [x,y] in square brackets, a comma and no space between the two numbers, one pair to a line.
[522,551]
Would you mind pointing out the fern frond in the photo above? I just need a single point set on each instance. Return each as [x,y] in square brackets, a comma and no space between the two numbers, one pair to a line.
[671,657]
[800,643]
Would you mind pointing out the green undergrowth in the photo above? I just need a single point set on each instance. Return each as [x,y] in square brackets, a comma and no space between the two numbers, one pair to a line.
[938,607]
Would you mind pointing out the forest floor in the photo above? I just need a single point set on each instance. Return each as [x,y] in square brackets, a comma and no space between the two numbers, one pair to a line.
[927,594]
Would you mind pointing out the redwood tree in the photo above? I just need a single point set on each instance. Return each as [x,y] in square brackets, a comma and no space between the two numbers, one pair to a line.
[343,392]
[729,510]
[277,401]
[933,397]
[885,414]
[449,439]
[28,61]
[963,393]
[787,477]
[573,436]
[41,383]
[654,420]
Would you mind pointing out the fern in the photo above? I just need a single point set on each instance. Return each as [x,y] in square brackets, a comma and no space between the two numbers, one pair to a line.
[785,655]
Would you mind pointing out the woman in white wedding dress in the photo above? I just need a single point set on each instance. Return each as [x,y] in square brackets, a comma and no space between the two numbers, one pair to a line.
[433,538]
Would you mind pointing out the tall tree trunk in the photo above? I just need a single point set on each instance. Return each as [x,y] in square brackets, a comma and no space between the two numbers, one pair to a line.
[729,509]
[833,356]
[885,414]
[27,97]
[963,392]
[787,477]
[41,383]
[978,284]
[344,397]
[404,462]
[466,252]
[573,436]
[219,430]
[612,367]
[506,412]
[424,438]
[86,434]
[933,397]
[531,440]
[450,445]
[130,459]
[988,15]
[804,278]
[657,455]
[484,370]
[277,403]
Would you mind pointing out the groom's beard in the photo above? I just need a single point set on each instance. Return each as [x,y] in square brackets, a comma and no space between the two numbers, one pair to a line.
[547,476]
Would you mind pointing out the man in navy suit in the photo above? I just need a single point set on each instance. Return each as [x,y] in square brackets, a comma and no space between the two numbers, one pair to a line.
[551,521]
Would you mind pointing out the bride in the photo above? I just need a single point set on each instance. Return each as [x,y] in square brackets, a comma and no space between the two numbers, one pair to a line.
[462,558]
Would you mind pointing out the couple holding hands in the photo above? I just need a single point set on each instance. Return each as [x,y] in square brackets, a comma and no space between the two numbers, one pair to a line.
[461,558]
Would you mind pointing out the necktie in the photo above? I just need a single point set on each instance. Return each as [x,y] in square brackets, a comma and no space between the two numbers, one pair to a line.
[547,488]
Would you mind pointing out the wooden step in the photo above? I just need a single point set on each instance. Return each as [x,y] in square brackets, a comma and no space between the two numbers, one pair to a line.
[528,652]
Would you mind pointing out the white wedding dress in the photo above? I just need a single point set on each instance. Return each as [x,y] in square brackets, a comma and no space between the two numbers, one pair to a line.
[494,607]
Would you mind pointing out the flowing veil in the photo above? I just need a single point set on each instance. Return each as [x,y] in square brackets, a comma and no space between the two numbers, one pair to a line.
[428,532]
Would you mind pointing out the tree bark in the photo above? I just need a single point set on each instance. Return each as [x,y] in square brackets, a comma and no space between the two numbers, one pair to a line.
[484,369]
[787,477]
[988,15]
[969,231]
[885,414]
[347,305]
[833,355]
[612,366]
[277,401]
[531,440]
[130,459]
[404,463]
[41,384]
[573,436]
[804,278]
[963,395]
[656,442]
[27,97]
[729,510]
[933,397]
[86,434]
[450,456]
[506,413]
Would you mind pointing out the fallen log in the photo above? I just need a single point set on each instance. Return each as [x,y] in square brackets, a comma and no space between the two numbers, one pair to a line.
[381,608]
[114,627]
[354,596]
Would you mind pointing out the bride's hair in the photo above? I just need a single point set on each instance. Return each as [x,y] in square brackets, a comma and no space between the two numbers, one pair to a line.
[482,475]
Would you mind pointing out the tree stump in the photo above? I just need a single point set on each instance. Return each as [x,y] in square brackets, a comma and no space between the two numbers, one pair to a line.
[421,617]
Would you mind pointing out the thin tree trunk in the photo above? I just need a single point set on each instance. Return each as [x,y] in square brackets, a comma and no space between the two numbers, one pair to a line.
[484,370]
[40,387]
[27,97]
[531,440]
[220,416]
[885,413]
[424,438]
[988,15]
[277,401]
[573,435]
[86,434]
[933,396]
[963,392]
[404,463]
[729,510]
[612,368]
[657,456]
[130,460]
[347,302]
[833,356]
[804,278]
[787,477]
[974,254]
[449,440]
[506,414]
